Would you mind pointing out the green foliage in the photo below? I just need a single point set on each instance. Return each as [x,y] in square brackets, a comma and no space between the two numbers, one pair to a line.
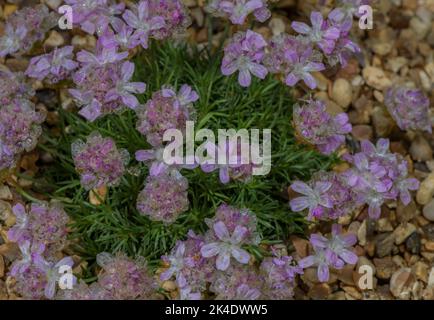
[116,225]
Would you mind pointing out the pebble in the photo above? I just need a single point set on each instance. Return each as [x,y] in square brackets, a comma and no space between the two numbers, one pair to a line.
[376,78]
[428,255]
[301,246]
[403,231]
[384,244]
[428,210]
[431,277]
[385,267]
[382,122]
[429,245]
[425,80]
[54,39]
[2,266]
[9,9]
[353,292]
[5,193]
[426,190]
[342,93]
[420,149]
[420,27]
[345,274]
[361,233]
[169,286]
[10,251]
[53,4]
[320,291]
[413,243]
[395,64]
[401,283]
[428,231]
[384,225]
[405,213]
[429,68]
[277,26]
[362,132]
[420,270]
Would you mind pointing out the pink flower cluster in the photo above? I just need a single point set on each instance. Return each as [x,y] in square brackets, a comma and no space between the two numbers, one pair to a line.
[20,128]
[166,110]
[24,28]
[377,175]
[238,10]
[98,161]
[164,197]
[316,126]
[159,19]
[409,108]
[40,233]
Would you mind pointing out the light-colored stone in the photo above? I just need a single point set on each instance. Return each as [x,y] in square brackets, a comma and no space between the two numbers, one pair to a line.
[420,27]
[169,286]
[54,39]
[342,93]
[405,213]
[9,9]
[277,25]
[353,292]
[376,78]
[420,270]
[395,64]
[431,277]
[429,245]
[361,233]
[53,4]
[428,210]
[401,283]
[420,149]
[384,225]
[426,190]
[403,231]
[5,193]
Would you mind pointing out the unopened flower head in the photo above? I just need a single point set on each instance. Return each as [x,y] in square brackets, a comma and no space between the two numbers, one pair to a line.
[43,224]
[13,86]
[164,197]
[409,108]
[159,19]
[40,278]
[20,128]
[124,278]
[103,83]
[279,272]
[98,161]
[187,265]
[316,126]
[25,27]
[239,282]
[166,110]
